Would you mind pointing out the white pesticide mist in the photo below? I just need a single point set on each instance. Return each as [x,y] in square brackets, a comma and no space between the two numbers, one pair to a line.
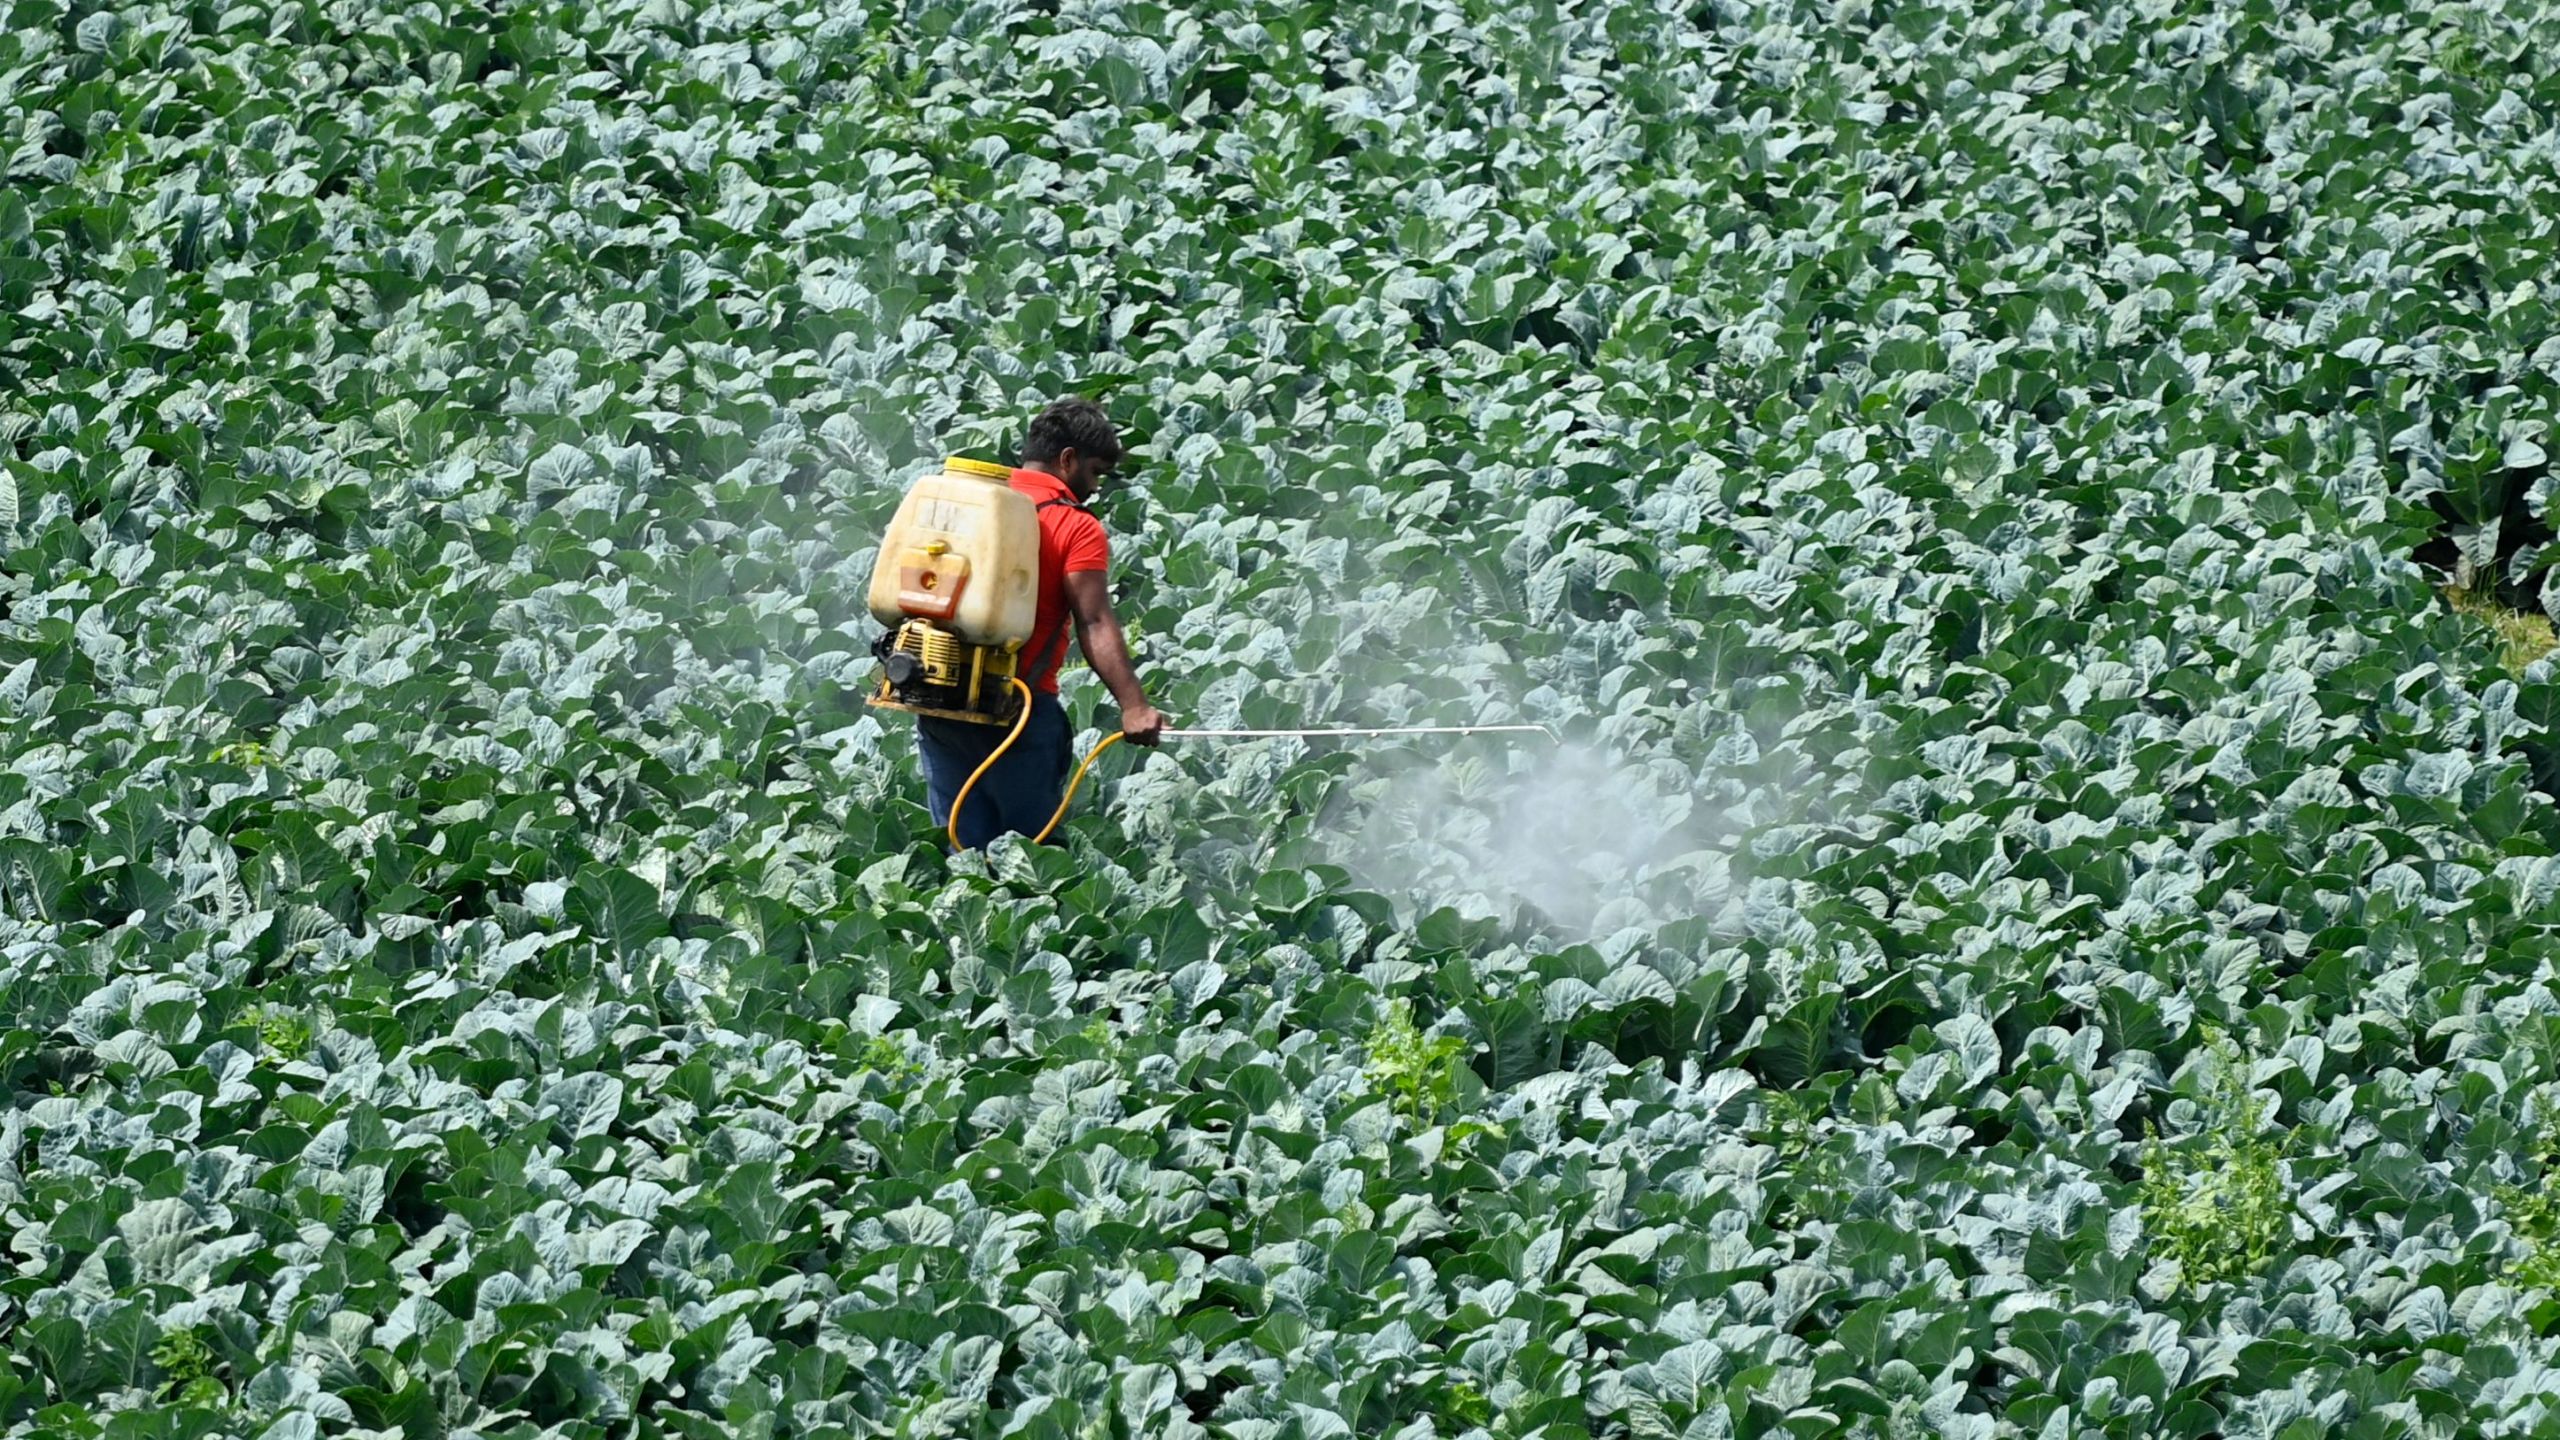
[1565,830]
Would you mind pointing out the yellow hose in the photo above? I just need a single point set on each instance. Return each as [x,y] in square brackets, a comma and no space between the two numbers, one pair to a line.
[1064,800]
[951,827]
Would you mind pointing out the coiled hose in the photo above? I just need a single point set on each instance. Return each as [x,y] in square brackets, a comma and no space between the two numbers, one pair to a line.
[952,827]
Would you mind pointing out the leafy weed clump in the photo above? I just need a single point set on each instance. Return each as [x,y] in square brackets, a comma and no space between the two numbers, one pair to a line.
[884,1057]
[189,1363]
[1419,1073]
[286,1032]
[2534,1215]
[2217,1207]
[1467,1405]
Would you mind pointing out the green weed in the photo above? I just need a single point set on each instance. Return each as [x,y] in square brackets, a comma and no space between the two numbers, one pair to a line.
[882,1056]
[2534,1214]
[2218,1207]
[1418,1073]
[1793,1123]
[189,1363]
[286,1032]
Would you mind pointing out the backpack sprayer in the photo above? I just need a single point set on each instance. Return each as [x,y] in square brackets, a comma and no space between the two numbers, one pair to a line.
[955,588]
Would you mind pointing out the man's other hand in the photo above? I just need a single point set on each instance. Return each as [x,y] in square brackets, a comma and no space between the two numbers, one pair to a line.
[1142,725]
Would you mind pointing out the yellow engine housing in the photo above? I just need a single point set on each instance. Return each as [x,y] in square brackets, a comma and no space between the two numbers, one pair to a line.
[928,670]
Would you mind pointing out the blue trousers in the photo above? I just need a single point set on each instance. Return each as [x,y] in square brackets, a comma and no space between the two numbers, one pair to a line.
[1019,794]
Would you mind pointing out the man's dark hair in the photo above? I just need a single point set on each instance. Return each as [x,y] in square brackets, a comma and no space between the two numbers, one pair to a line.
[1075,423]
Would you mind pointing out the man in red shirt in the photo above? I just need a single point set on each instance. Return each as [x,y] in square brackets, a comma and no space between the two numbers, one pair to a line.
[1068,451]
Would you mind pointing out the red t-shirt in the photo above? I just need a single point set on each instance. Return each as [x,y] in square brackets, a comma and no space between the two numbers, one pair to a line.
[1071,543]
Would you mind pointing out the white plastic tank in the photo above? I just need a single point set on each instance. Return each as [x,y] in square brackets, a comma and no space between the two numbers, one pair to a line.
[963,552]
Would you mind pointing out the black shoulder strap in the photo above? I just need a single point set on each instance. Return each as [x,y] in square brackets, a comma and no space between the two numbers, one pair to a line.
[1069,500]
[1054,653]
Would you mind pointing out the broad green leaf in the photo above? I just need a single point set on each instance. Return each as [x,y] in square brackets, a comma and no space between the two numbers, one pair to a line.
[616,907]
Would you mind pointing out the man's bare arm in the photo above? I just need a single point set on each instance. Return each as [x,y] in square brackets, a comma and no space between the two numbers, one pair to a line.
[1106,649]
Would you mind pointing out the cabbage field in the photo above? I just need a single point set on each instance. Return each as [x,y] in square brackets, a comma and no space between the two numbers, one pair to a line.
[2043,921]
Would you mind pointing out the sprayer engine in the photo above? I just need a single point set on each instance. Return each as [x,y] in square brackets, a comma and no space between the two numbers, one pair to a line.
[929,670]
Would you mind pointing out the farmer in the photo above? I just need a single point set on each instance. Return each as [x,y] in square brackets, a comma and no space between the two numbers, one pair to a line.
[1066,454]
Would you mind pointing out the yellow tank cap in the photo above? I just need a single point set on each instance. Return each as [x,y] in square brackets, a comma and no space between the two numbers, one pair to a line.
[986,469]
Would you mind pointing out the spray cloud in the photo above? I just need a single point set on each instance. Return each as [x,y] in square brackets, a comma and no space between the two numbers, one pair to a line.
[1562,830]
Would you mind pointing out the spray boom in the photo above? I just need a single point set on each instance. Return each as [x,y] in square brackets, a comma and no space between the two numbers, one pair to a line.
[1390,730]
[952,825]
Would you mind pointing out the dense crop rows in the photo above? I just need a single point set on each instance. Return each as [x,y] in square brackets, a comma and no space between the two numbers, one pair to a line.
[2087,966]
